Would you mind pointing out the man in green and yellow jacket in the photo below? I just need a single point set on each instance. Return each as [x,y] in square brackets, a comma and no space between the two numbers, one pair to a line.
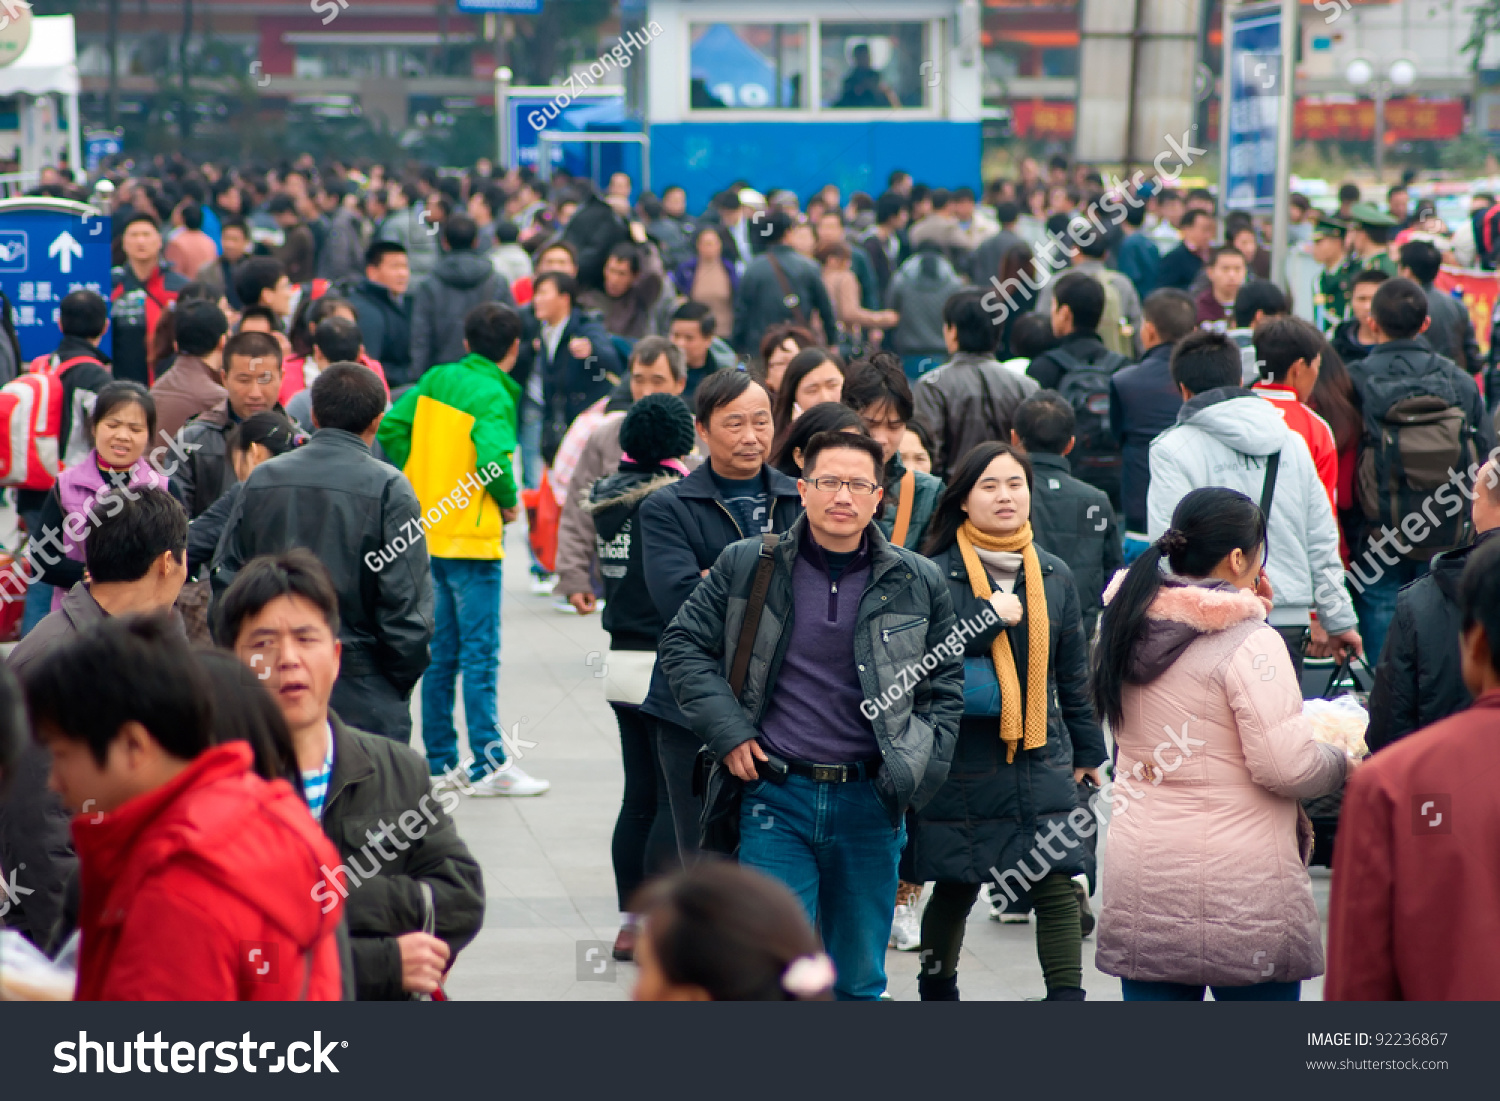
[453,434]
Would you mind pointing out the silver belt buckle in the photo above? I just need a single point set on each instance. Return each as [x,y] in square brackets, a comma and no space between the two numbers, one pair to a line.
[830,774]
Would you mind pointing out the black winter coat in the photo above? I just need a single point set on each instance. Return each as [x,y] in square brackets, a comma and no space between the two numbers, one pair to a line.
[1075,521]
[339,501]
[380,789]
[630,615]
[760,300]
[1419,679]
[459,281]
[989,817]
[684,529]
[385,328]
[569,384]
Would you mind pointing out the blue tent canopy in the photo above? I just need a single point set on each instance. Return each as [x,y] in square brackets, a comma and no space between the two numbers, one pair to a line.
[721,57]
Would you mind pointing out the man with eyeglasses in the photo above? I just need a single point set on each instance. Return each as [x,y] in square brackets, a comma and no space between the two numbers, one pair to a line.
[252,377]
[850,705]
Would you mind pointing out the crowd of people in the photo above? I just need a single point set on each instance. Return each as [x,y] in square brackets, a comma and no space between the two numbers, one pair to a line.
[964,523]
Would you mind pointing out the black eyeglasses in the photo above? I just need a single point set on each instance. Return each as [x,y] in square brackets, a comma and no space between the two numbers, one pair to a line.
[856,486]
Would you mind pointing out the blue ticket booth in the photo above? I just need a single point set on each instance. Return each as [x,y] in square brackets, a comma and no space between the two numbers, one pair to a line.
[797,95]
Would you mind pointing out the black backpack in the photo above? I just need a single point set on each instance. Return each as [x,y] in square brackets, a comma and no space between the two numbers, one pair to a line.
[1085,386]
[1416,435]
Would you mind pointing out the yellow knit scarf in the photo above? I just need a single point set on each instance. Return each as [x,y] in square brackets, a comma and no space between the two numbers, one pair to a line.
[1032,731]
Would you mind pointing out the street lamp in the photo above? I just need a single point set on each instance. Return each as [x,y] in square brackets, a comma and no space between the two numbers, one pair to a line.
[1399,73]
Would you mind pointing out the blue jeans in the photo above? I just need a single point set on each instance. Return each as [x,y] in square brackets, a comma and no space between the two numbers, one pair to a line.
[466,636]
[531,443]
[1136,991]
[835,847]
[1376,602]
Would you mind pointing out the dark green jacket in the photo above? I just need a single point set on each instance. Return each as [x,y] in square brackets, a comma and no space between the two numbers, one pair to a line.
[1076,522]
[905,613]
[379,789]
[928,490]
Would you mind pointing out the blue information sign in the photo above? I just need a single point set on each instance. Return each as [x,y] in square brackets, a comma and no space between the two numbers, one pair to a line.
[46,251]
[1253,76]
[527,110]
[98,144]
[514,7]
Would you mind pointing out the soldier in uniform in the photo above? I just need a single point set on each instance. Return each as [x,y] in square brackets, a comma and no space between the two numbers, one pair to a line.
[1369,236]
[1331,302]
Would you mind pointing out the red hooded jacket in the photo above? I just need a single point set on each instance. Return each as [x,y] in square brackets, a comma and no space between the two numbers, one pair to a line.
[202,891]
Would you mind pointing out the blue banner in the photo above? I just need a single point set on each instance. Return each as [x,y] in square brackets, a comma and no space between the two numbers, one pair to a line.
[45,254]
[1253,83]
[512,7]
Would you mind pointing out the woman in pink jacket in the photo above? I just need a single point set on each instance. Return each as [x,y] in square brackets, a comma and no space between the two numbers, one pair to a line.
[1205,882]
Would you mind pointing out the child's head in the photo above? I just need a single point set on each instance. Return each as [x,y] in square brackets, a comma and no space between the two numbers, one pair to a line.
[723,933]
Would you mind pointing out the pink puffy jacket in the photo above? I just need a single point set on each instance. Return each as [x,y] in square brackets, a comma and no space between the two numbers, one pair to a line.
[1203,878]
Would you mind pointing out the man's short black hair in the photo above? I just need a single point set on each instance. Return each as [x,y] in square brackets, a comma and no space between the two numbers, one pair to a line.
[256,274]
[296,572]
[1399,308]
[348,396]
[1191,217]
[1259,296]
[192,216]
[235,223]
[888,206]
[252,346]
[1172,313]
[726,200]
[1205,361]
[127,669]
[700,312]
[1281,342]
[974,328]
[491,330]
[843,441]
[281,204]
[1479,595]
[627,251]
[719,389]
[1422,259]
[199,326]
[83,314]
[379,250]
[1349,193]
[563,283]
[258,313]
[1045,422]
[129,540]
[879,380]
[141,216]
[459,231]
[338,339]
[773,226]
[1007,211]
[1031,334]
[1084,297]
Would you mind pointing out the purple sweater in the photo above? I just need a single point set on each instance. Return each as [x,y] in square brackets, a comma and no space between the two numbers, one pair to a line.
[814,711]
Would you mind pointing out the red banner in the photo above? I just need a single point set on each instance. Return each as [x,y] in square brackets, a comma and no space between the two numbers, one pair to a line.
[1480,290]
[1042,118]
[1405,120]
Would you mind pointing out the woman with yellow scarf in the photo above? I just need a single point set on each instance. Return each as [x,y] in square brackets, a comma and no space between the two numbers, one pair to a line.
[1009,813]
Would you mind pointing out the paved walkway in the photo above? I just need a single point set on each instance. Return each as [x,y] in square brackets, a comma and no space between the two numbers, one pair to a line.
[552,912]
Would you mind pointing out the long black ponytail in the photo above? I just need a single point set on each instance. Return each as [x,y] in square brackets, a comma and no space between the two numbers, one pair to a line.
[1207,525]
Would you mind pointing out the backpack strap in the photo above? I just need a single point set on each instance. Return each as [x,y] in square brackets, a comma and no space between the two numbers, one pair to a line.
[903,508]
[1268,489]
[764,564]
[789,298]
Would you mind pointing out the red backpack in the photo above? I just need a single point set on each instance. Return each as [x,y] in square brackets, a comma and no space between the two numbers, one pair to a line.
[31,411]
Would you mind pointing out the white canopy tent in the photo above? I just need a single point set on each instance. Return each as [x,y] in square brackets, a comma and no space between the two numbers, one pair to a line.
[49,66]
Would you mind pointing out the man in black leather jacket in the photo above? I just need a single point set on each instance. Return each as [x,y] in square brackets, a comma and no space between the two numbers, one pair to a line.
[360,517]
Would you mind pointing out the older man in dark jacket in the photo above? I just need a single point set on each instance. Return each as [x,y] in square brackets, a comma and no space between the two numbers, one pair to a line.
[1418,680]
[335,498]
[779,285]
[684,528]
[461,280]
[840,726]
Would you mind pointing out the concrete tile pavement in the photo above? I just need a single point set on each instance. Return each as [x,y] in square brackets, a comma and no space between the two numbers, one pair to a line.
[546,860]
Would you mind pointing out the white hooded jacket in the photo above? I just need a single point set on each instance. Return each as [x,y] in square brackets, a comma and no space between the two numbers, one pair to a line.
[1223,438]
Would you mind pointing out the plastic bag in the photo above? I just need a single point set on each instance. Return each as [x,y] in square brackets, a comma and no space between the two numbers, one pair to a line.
[27,975]
[1340,723]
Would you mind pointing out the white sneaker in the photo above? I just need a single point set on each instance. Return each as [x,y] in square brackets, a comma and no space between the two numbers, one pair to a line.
[510,780]
[906,930]
[543,584]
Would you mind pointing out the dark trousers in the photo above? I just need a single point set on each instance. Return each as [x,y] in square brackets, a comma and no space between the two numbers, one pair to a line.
[1296,641]
[677,752]
[372,704]
[644,843]
[1059,936]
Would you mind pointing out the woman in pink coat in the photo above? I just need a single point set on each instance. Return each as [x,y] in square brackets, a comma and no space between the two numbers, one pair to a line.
[1204,877]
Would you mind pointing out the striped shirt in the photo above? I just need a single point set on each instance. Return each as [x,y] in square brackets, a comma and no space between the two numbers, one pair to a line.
[315,781]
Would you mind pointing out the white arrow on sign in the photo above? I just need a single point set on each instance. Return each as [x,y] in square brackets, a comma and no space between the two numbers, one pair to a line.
[64,248]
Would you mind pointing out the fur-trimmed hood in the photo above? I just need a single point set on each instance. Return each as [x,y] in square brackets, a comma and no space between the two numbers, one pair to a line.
[612,500]
[1181,611]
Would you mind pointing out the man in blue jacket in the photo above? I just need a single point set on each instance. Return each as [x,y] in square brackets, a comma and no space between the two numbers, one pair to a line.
[735,495]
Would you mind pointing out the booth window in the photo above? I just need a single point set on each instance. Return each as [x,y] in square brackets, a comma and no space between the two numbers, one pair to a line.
[748,66]
[874,65]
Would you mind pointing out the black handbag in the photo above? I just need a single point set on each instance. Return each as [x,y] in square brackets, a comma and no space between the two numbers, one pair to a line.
[720,789]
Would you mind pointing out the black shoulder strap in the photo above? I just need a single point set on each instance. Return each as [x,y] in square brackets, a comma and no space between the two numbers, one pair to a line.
[789,297]
[1268,491]
[763,566]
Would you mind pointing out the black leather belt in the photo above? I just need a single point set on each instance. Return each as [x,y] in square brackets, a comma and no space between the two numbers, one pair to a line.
[835,774]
